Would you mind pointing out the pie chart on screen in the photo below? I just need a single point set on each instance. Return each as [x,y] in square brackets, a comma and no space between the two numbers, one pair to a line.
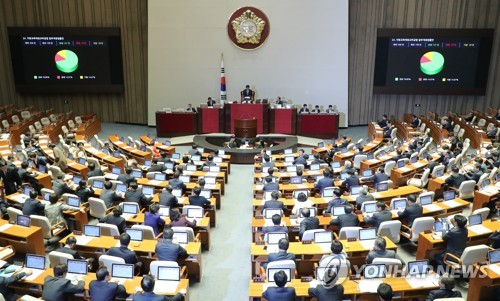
[66,61]
[432,63]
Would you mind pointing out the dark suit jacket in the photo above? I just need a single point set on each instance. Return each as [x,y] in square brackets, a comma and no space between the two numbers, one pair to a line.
[11,180]
[455,181]
[126,178]
[324,183]
[118,221]
[33,207]
[280,256]
[167,250]
[144,296]
[157,167]
[84,194]
[71,252]
[123,252]
[378,217]
[382,123]
[414,122]
[105,291]
[274,204]
[138,197]
[5,282]
[431,165]
[280,294]
[60,187]
[271,186]
[211,103]
[378,177]
[456,240]
[97,172]
[59,289]
[336,202]
[168,199]
[411,212]
[335,293]
[351,181]
[442,293]
[177,184]
[300,160]
[308,223]
[109,197]
[346,220]
[361,199]
[474,176]
[274,228]
[199,200]
[382,254]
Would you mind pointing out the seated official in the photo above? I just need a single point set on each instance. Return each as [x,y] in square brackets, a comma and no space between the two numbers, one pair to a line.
[124,252]
[58,288]
[363,197]
[384,292]
[455,239]
[6,282]
[383,123]
[83,192]
[69,248]
[109,196]
[280,292]
[115,219]
[412,211]
[211,102]
[352,180]
[494,238]
[325,182]
[276,227]
[317,159]
[127,177]
[32,206]
[282,253]
[54,210]
[93,171]
[164,157]
[415,121]
[178,220]
[210,161]
[166,249]
[456,178]
[167,199]
[316,110]
[475,173]
[247,95]
[274,203]
[304,110]
[153,218]
[381,215]
[197,199]
[327,289]
[134,195]
[332,110]
[301,160]
[270,185]
[379,251]
[446,286]
[190,108]
[308,223]
[148,285]
[349,219]
[267,162]
[301,202]
[60,186]
[337,255]
[175,183]
[337,200]
[378,177]
[103,290]
[155,167]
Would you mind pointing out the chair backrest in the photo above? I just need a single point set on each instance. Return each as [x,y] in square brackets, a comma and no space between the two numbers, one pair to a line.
[392,265]
[15,119]
[450,165]
[481,179]
[25,115]
[78,120]
[90,181]
[309,234]
[54,171]
[45,121]
[349,232]
[95,161]
[130,139]
[437,169]
[32,130]
[13,213]
[466,189]
[493,174]
[42,222]
[394,133]
[53,118]
[421,224]
[490,127]
[423,194]
[388,167]
[358,159]
[108,260]
[97,208]
[153,267]
[282,264]
[390,229]
[425,177]
[5,124]
[474,254]
[151,175]
[71,124]
[187,230]
[483,211]
[350,146]
[481,122]
[147,231]
[108,229]
[456,128]
[56,258]
[461,133]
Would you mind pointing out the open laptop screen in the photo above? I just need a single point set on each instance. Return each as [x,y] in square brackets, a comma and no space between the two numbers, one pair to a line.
[23,220]
[119,270]
[494,256]
[475,219]
[181,237]
[426,200]
[89,230]
[418,267]
[130,208]
[35,262]
[366,234]
[323,237]
[449,195]
[169,273]
[121,187]
[372,271]
[268,213]
[160,177]
[73,202]
[148,190]
[116,170]
[367,173]
[98,184]
[135,234]
[77,266]
[274,237]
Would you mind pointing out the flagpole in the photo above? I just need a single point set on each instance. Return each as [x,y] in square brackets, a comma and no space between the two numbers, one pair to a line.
[222,80]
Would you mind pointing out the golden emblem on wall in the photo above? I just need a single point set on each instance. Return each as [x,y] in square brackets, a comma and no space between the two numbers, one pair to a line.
[248,27]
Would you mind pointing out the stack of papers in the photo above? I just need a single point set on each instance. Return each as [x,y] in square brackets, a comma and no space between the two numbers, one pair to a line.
[452,203]
[325,247]
[428,281]
[272,249]
[83,240]
[20,198]
[165,287]
[35,274]
[432,207]
[479,229]
[367,244]
[369,285]
[5,227]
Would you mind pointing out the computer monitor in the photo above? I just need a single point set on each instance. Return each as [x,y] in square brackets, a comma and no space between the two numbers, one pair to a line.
[439,172]
[343,150]
[177,192]
[367,233]
[338,210]
[357,145]
[344,176]
[355,189]
[273,238]
[73,201]
[148,190]
[486,183]
[116,154]
[164,211]
[269,212]
[369,207]
[272,271]
[382,153]
[167,143]
[367,173]
[195,212]
[181,237]
[147,163]
[46,196]
[185,179]
[214,168]
[130,208]
[120,270]
[382,187]
[116,170]
[267,194]
[401,163]
[494,256]
[319,177]
[418,267]
[77,179]
[296,180]
[77,266]
[207,193]
[475,219]
[373,271]
[321,144]
[312,210]
[190,167]
[399,203]
[169,165]
[35,262]
[42,168]
[160,177]
[94,231]
[82,161]
[210,180]
[323,237]
[413,159]
[168,273]
[440,226]
[288,151]
[314,167]
[426,200]
[176,156]
[135,234]
[297,192]
[449,195]
[289,159]
[291,168]
[335,164]
[221,152]
[201,150]
[121,187]
[27,190]
[370,156]
[23,220]
[98,184]
[424,155]
[196,158]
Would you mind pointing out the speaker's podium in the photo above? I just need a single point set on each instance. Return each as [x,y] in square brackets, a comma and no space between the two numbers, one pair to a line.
[245,128]
[248,112]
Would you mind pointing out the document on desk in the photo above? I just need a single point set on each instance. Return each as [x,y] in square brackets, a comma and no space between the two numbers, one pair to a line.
[272,249]
[36,273]
[367,244]
[302,186]
[5,227]
[451,203]
[20,198]
[369,285]
[495,268]
[418,164]
[325,247]
[429,281]
[479,229]
[154,182]
[166,287]
[405,169]
[432,207]
[211,174]
[210,186]
[83,240]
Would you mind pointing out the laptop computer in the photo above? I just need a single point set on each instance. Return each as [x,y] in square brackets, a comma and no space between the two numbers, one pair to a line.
[121,272]
[116,170]
[449,195]
[130,209]
[77,179]
[370,156]
[210,180]
[367,173]
[98,184]
[314,167]
[207,193]
[217,160]
[265,169]
[147,163]
[338,210]
[475,219]
[121,187]
[401,163]
[439,226]
[494,256]
[367,234]
[374,271]
[46,196]
[369,208]
[355,189]
[164,211]
[90,230]
[291,168]
[196,158]
[169,165]
[439,172]
[23,220]
[185,179]
[321,144]
[176,156]
[181,238]
[269,212]
[221,152]
[201,150]
[167,279]
[398,204]
[425,200]
[27,190]
[42,168]
[289,159]
[382,187]
[382,153]
[343,150]
[37,265]
[272,238]
[288,151]
[413,159]
[323,237]
[190,167]
[116,154]
[167,143]
[194,214]
[267,194]
[296,180]
[135,234]
[177,192]
[319,177]
[418,268]
[76,269]
[82,161]
[335,164]
[148,190]
[214,168]
[344,176]
[73,202]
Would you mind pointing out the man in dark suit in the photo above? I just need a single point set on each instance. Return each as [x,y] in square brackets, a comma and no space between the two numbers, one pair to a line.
[32,206]
[378,177]
[380,216]
[432,163]
[124,252]
[337,200]
[327,181]
[127,177]
[280,292]
[5,282]
[282,254]
[379,251]
[387,131]
[103,290]
[148,285]
[167,198]
[270,185]
[164,157]
[308,223]
[412,211]
[415,122]
[176,183]
[352,180]
[211,102]
[156,167]
[35,161]
[274,203]
[58,288]
[317,159]
[384,292]
[69,248]
[276,227]
[197,199]
[94,171]
[301,160]
[247,95]
[348,219]
[363,197]
[83,192]
[210,161]
[456,178]
[475,173]
[28,177]
[168,250]
[304,110]
[115,219]
[446,286]
[134,195]
[10,177]
[267,162]
[108,195]
[455,239]
[60,186]
[383,123]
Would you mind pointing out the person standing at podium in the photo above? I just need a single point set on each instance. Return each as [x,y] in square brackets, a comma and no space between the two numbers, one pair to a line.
[247,95]
[211,102]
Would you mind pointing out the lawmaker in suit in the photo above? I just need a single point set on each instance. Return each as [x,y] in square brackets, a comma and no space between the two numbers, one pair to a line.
[247,95]
[108,195]
[54,210]
[32,206]
[446,286]
[167,199]
[276,227]
[349,219]
[337,200]
[58,288]
[378,177]
[10,177]
[412,211]
[379,251]
[274,203]
[115,219]
[69,248]
[270,185]
[94,171]
[211,102]
[304,110]
[127,177]
[363,197]
[166,249]
[308,223]
[60,159]
[352,180]
[176,183]
[155,167]
[280,292]
[61,186]
[198,200]
[135,196]
[383,123]
[282,253]
[455,239]
[103,290]
[148,285]
[475,173]
[124,252]
[378,217]
[456,178]
[327,291]
[83,192]
[415,122]
[178,220]
[5,282]
[327,181]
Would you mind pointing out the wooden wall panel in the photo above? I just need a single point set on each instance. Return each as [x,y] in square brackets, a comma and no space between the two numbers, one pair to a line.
[368,15]
[129,15]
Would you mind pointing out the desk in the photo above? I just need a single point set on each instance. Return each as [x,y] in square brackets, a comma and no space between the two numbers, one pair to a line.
[234,111]
[24,239]
[210,120]
[375,131]
[399,176]
[483,285]
[176,124]
[391,193]
[436,132]
[89,128]
[481,198]
[162,147]
[404,131]
[318,125]
[283,121]
[139,155]
[476,135]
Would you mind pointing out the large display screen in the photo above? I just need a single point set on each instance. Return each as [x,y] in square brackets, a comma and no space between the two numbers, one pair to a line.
[61,60]
[432,61]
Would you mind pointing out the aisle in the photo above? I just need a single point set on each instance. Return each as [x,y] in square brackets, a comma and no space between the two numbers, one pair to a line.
[226,268]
